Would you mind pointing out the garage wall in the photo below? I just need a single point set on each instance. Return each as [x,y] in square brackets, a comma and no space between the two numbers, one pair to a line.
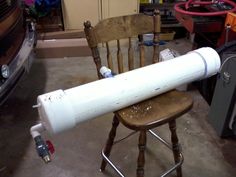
[75,12]
[113,8]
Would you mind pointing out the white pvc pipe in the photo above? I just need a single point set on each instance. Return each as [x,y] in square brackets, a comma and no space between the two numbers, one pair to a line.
[61,110]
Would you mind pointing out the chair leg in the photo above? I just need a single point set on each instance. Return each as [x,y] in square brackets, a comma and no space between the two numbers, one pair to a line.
[175,146]
[110,142]
[141,156]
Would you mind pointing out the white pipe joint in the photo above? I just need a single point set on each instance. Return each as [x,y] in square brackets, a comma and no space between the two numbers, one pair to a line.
[36,130]
[61,110]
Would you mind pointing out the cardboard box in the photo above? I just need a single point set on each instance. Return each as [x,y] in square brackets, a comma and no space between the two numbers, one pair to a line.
[60,48]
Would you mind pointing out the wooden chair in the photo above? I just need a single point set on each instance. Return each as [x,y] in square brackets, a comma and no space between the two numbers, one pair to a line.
[165,108]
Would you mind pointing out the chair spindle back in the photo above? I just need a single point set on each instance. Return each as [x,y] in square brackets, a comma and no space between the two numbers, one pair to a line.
[124,27]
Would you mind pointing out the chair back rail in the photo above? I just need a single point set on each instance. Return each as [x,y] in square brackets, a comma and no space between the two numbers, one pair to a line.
[124,27]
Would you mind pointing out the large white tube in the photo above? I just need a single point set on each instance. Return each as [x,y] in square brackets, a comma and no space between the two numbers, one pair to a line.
[61,110]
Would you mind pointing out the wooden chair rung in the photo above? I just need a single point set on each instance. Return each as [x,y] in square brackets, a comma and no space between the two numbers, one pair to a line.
[155,58]
[130,55]
[141,51]
[156,22]
[109,57]
[119,58]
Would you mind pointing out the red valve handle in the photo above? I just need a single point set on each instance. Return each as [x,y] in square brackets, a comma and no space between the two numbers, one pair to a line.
[50,146]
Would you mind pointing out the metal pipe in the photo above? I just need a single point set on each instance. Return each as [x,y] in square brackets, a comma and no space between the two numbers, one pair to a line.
[160,139]
[174,167]
[112,165]
[181,157]
[61,110]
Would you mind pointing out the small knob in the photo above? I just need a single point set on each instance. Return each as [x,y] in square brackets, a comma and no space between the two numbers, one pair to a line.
[50,146]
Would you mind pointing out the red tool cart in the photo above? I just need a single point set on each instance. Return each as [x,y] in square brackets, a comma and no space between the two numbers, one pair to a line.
[213,24]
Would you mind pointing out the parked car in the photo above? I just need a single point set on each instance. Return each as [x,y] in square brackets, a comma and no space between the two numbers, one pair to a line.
[17,39]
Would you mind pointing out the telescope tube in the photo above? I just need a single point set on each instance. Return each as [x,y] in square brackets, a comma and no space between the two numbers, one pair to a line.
[63,109]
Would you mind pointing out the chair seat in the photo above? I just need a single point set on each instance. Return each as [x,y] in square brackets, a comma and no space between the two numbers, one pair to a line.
[155,111]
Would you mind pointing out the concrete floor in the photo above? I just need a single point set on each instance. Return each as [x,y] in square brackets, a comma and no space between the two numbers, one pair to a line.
[78,150]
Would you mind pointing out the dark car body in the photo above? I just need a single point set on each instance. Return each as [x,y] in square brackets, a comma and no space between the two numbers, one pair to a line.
[17,39]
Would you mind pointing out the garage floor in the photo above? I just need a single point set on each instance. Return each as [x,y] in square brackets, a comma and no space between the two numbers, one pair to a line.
[78,150]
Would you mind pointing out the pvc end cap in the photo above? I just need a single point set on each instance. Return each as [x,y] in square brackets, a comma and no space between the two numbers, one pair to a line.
[56,111]
[212,59]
